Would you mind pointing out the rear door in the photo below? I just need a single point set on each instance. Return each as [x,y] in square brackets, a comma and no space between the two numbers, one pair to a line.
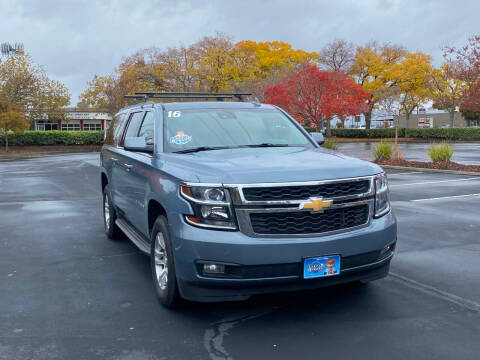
[122,167]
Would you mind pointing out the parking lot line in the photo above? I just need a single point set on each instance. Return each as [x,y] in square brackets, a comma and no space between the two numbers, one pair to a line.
[406,173]
[435,182]
[431,290]
[448,197]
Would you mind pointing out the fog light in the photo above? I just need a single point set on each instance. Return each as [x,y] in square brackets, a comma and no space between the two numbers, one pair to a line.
[386,249]
[213,268]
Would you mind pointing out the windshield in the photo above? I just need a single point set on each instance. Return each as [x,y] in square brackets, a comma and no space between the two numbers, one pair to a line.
[220,128]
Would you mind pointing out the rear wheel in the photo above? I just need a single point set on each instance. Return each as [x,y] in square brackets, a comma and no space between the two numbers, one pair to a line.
[109,216]
[163,265]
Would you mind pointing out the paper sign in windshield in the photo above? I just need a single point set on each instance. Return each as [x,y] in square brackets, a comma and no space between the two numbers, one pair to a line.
[180,139]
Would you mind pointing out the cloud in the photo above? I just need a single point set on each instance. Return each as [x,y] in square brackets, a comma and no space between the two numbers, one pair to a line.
[74,40]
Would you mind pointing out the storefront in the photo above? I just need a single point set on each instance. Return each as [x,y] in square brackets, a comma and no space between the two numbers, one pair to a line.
[78,120]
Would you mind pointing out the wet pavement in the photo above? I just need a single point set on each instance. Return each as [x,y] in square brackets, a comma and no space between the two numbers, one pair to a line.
[465,153]
[67,292]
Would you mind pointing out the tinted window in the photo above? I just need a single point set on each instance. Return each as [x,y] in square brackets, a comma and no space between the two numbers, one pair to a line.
[134,124]
[188,129]
[147,128]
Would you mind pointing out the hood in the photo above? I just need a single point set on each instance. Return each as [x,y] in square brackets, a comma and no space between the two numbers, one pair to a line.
[263,165]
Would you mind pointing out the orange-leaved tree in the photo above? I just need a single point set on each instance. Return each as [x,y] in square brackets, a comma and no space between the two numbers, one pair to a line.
[12,120]
[313,96]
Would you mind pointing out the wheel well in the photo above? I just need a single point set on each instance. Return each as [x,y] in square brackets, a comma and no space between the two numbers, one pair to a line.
[104,181]
[154,211]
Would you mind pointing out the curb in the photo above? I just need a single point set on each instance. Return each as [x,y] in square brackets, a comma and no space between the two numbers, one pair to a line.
[430,170]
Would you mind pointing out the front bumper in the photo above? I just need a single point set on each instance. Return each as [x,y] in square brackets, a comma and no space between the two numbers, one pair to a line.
[357,249]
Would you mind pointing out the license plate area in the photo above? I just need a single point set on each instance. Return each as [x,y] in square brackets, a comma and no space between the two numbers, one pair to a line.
[321,266]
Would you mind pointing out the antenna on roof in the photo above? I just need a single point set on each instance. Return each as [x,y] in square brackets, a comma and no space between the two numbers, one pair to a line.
[7,48]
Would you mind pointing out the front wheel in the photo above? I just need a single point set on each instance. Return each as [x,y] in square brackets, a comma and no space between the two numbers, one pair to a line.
[163,265]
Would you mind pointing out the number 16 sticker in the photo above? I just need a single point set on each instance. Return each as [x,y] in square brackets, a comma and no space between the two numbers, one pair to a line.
[175,113]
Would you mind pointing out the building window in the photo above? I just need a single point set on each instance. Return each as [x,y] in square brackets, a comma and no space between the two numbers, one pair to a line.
[474,123]
[91,127]
[70,127]
[43,125]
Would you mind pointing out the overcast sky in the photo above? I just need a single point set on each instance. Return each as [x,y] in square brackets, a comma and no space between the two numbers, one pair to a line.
[74,40]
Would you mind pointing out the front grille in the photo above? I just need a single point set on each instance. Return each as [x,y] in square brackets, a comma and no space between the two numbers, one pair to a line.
[328,190]
[302,222]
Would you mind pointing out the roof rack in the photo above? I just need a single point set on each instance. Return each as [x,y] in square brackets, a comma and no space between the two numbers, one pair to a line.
[186,95]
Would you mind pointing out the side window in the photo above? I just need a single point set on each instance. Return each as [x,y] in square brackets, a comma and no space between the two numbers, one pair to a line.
[115,129]
[147,128]
[133,125]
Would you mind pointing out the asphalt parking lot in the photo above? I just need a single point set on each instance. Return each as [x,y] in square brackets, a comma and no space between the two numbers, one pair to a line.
[66,292]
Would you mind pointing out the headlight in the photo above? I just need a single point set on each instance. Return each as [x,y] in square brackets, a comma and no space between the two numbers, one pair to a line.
[211,206]
[382,199]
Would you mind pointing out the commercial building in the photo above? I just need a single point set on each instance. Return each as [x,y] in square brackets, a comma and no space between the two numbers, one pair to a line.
[432,118]
[77,120]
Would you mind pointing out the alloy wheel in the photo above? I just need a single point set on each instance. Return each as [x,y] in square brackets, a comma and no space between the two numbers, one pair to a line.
[106,212]
[161,261]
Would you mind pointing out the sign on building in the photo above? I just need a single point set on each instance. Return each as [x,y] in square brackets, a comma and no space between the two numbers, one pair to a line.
[426,122]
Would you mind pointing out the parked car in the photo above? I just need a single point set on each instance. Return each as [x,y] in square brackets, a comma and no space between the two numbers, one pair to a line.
[232,199]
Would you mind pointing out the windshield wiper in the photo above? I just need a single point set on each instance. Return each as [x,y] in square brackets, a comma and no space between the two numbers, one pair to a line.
[201,148]
[208,148]
[267,145]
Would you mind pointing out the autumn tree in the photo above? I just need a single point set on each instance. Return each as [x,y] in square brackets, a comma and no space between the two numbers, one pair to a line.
[466,61]
[312,96]
[372,70]
[215,64]
[269,62]
[26,85]
[12,120]
[412,77]
[338,55]
[448,88]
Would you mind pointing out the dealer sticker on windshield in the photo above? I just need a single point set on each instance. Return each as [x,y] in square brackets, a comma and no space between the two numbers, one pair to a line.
[180,139]
[321,266]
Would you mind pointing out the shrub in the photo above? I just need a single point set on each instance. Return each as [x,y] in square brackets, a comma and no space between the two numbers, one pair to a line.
[383,151]
[310,129]
[459,133]
[440,153]
[330,144]
[56,137]
[368,133]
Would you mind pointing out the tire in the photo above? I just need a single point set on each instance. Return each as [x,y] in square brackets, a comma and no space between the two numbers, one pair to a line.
[112,231]
[161,258]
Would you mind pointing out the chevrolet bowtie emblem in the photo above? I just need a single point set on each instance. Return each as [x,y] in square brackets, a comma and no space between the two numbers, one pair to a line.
[315,204]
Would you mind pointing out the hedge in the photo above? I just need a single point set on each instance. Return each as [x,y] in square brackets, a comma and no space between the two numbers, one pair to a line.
[55,137]
[466,133]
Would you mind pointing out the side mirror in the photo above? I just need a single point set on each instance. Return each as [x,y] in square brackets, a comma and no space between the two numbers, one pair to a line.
[137,144]
[318,138]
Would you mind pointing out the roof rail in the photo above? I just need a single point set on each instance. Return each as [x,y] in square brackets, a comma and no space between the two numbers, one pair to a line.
[188,95]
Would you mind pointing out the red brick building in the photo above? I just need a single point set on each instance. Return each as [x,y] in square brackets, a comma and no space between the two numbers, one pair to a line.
[78,120]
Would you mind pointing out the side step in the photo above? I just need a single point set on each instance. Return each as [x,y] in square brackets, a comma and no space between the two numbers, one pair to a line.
[133,235]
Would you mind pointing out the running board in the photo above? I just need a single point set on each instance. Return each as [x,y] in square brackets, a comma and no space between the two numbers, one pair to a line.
[133,235]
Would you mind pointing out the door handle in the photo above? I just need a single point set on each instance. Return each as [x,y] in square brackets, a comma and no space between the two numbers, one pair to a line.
[114,160]
[127,167]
